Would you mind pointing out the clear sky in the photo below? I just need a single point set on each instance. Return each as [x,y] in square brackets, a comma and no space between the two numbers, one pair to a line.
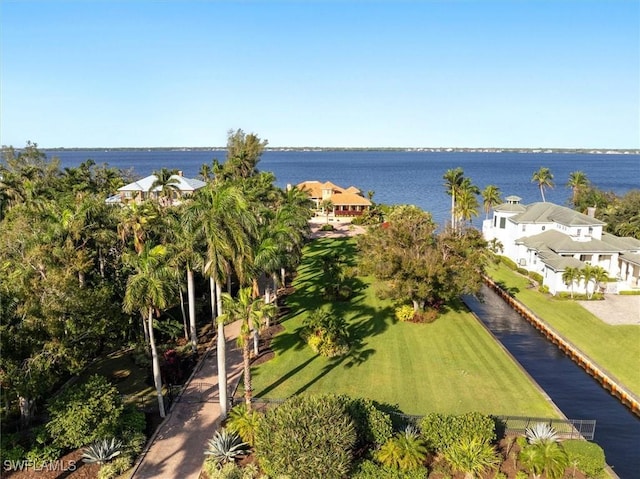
[447,73]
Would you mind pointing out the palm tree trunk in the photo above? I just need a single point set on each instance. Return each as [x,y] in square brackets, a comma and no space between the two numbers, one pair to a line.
[26,410]
[282,277]
[191,290]
[453,209]
[222,359]
[256,339]
[145,329]
[542,193]
[157,379]
[247,371]
[212,292]
[184,316]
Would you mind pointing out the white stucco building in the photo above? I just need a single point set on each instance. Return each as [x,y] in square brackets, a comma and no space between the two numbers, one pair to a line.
[547,238]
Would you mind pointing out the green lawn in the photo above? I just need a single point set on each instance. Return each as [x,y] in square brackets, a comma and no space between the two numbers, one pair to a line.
[452,365]
[615,348]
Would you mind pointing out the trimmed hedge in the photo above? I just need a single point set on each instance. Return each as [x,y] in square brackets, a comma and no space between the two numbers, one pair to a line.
[509,263]
[373,470]
[442,430]
[589,456]
[306,437]
[629,293]
[373,426]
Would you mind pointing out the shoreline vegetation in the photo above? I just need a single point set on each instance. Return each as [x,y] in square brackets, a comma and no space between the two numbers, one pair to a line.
[594,151]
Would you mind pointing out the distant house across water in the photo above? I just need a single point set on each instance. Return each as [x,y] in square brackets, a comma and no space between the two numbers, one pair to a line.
[346,202]
[548,239]
[142,190]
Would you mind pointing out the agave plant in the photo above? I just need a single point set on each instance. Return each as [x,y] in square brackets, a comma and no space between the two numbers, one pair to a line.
[541,433]
[225,447]
[102,451]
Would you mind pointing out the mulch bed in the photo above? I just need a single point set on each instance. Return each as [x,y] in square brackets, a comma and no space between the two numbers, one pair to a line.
[68,466]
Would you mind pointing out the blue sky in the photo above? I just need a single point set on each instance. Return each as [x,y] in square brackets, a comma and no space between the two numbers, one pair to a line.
[329,73]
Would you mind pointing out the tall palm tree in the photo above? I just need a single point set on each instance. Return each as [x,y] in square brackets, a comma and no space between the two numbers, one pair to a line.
[151,288]
[227,225]
[251,311]
[570,276]
[490,198]
[453,180]
[544,178]
[327,206]
[593,274]
[136,222]
[466,206]
[577,181]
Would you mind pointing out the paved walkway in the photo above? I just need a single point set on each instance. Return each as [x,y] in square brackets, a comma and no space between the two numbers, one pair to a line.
[177,451]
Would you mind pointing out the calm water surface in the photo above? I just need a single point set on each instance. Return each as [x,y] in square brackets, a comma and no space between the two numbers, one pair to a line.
[408,177]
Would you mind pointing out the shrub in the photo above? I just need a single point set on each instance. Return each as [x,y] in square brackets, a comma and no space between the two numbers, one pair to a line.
[471,455]
[306,437]
[406,450]
[373,426]
[588,456]
[547,457]
[326,334]
[102,451]
[629,293]
[537,277]
[404,313]
[84,413]
[43,454]
[115,468]
[373,470]
[243,422]
[327,227]
[522,271]
[226,447]
[509,263]
[230,471]
[441,430]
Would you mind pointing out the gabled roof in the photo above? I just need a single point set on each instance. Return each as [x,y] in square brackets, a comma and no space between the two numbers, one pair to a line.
[561,243]
[182,183]
[623,243]
[550,213]
[557,262]
[349,199]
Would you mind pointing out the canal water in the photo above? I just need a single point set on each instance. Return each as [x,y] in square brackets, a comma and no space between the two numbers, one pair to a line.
[576,394]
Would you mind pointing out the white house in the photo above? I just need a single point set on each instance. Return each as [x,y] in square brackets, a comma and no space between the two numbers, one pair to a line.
[141,190]
[547,239]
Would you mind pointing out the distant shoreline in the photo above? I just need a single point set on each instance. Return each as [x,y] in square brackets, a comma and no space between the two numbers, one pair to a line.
[592,151]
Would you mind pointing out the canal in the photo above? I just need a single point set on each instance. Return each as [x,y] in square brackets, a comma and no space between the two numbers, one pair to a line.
[576,394]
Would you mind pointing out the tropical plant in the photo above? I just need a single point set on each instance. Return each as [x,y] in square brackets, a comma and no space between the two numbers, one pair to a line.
[466,203]
[327,207]
[577,182]
[166,185]
[471,455]
[453,180]
[593,274]
[306,437]
[116,467]
[102,451]
[541,432]
[369,469]
[244,422]
[151,288]
[373,426]
[544,178]
[406,450]
[404,313]
[326,333]
[588,457]
[490,198]
[225,447]
[251,312]
[570,276]
[546,457]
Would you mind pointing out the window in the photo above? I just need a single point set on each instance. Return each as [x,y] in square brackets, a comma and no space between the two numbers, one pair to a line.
[590,230]
[495,221]
[543,228]
[579,231]
[524,227]
[503,222]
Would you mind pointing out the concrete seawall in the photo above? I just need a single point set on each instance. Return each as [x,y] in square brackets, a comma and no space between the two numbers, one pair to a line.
[606,379]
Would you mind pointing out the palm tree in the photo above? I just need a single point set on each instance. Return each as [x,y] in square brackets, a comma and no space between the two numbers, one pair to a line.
[166,183]
[326,206]
[490,198]
[151,288]
[227,225]
[251,312]
[466,206]
[453,180]
[136,222]
[577,181]
[471,455]
[570,276]
[544,178]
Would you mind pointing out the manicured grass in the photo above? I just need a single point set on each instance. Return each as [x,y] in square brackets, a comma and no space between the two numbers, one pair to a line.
[452,365]
[616,348]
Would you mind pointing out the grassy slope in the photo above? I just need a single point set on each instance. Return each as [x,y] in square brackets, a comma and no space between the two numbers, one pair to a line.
[615,348]
[452,365]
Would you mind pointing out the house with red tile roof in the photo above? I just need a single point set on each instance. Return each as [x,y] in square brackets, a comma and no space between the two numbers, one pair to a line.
[347,202]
